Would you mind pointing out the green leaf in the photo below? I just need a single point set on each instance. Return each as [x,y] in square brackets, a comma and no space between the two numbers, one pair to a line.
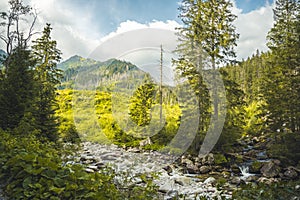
[57,190]
[27,181]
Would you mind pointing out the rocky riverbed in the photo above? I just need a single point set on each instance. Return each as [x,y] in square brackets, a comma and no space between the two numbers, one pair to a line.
[174,179]
[187,176]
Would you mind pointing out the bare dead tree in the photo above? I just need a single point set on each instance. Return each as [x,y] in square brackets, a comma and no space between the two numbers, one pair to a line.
[11,21]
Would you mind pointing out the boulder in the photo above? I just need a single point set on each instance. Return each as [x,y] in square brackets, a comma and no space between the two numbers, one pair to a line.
[88,159]
[204,169]
[168,169]
[267,180]
[183,181]
[93,167]
[251,179]
[235,180]
[89,170]
[208,159]
[270,169]
[210,180]
[255,167]
[145,142]
[189,166]
[167,186]
[235,169]
[134,150]
[290,173]
[251,154]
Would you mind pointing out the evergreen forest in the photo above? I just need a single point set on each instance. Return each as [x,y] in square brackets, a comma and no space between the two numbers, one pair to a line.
[47,113]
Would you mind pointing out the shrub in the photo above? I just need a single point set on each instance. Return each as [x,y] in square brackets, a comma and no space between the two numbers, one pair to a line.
[31,169]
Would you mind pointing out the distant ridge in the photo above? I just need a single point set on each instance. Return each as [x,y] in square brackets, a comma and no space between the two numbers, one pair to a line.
[110,70]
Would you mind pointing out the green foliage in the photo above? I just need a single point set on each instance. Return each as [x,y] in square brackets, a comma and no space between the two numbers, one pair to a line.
[47,77]
[107,123]
[141,103]
[34,170]
[254,122]
[220,159]
[207,36]
[16,89]
[281,89]
[286,148]
[234,121]
[278,191]
[255,166]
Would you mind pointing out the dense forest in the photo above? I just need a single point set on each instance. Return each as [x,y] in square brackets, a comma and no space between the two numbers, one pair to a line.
[46,113]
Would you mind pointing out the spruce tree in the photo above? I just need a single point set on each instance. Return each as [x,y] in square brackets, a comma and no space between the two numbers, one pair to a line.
[16,88]
[47,77]
[207,39]
[141,103]
[282,77]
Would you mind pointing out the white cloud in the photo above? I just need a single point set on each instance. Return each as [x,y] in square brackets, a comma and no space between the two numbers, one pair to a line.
[75,31]
[72,29]
[133,25]
[253,28]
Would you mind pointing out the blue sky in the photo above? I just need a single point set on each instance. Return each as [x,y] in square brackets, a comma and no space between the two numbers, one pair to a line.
[79,26]
[108,14]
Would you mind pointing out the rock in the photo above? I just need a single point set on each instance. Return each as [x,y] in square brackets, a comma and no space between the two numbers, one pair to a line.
[93,167]
[89,170]
[262,155]
[226,174]
[88,159]
[192,169]
[255,140]
[204,169]
[235,180]
[252,153]
[145,142]
[255,167]
[251,179]
[215,174]
[267,180]
[270,169]
[171,195]
[277,162]
[168,169]
[182,180]
[210,180]
[290,173]
[99,164]
[235,169]
[134,150]
[208,159]
[189,165]
[167,186]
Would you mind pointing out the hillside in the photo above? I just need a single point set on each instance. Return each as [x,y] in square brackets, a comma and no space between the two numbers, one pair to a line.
[109,70]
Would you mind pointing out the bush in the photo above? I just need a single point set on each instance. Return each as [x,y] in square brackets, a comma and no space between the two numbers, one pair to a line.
[286,148]
[31,169]
[278,191]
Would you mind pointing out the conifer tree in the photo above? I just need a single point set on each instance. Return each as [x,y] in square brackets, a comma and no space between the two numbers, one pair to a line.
[47,77]
[281,88]
[16,89]
[207,39]
[141,103]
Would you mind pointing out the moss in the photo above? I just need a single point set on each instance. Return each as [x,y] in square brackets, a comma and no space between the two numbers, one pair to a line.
[220,159]
[239,159]
[255,167]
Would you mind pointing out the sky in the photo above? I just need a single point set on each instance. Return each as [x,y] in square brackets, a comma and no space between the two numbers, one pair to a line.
[80,26]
